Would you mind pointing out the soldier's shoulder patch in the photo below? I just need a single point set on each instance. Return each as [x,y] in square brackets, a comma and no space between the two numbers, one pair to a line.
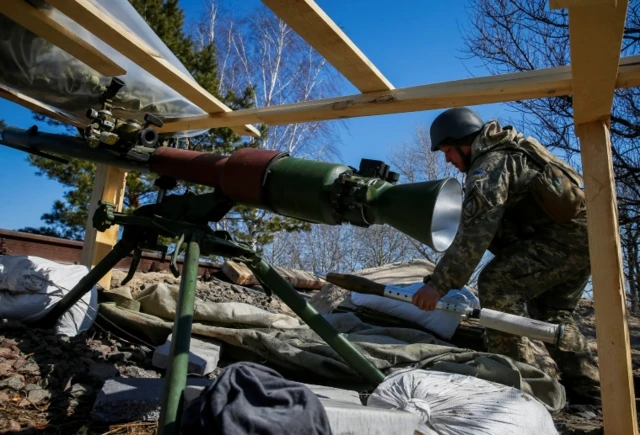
[471,206]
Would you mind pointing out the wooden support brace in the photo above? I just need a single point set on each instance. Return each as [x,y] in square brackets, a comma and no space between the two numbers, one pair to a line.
[109,186]
[40,23]
[563,4]
[612,331]
[595,34]
[36,106]
[240,274]
[309,21]
[139,52]
[543,83]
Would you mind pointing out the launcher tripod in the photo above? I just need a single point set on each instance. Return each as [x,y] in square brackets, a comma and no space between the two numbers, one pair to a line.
[187,217]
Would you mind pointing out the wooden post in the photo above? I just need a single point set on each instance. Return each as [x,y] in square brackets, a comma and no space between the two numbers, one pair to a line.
[109,186]
[614,355]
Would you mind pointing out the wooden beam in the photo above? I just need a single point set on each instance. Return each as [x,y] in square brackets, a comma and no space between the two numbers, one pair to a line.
[563,4]
[239,273]
[309,21]
[550,82]
[595,35]
[37,106]
[40,22]
[612,333]
[109,186]
[139,52]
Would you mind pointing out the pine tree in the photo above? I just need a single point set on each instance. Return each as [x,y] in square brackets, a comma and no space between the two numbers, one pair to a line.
[165,17]
[67,218]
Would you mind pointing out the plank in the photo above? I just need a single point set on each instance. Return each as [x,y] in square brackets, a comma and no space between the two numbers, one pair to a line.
[548,82]
[139,52]
[612,332]
[301,279]
[309,21]
[240,274]
[36,106]
[595,35]
[40,23]
[109,186]
[564,4]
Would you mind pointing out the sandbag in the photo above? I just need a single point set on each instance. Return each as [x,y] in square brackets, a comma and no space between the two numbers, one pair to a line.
[443,323]
[451,404]
[30,287]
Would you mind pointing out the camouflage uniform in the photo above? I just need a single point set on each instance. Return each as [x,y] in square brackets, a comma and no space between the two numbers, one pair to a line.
[538,263]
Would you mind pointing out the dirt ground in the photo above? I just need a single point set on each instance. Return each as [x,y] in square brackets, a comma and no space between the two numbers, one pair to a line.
[48,383]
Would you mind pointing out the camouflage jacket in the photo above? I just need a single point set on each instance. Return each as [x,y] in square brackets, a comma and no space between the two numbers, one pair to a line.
[497,208]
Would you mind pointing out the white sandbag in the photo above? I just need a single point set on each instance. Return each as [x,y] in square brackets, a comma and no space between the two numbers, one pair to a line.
[20,274]
[443,323]
[457,404]
[30,286]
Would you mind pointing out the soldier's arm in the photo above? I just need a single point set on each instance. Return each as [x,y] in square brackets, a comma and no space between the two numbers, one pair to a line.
[486,191]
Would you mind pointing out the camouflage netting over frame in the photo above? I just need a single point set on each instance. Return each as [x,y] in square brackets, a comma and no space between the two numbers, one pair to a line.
[38,69]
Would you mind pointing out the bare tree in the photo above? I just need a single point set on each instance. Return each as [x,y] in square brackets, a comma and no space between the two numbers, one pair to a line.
[522,35]
[382,244]
[415,161]
[325,248]
[260,49]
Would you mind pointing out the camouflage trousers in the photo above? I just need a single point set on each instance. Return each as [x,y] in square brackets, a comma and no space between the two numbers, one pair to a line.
[546,280]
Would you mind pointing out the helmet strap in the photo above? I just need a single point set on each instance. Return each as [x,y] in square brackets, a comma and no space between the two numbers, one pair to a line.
[466,158]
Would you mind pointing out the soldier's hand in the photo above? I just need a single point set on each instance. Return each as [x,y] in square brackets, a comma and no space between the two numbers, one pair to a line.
[426,298]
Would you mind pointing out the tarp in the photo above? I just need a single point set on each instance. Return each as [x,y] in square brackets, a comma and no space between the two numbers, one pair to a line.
[38,69]
[282,341]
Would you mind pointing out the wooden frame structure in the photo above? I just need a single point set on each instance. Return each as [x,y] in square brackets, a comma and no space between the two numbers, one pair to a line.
[596,29]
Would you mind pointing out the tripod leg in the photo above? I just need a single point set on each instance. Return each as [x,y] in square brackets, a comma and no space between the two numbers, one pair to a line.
[119,252]
[176,377]
[272,279]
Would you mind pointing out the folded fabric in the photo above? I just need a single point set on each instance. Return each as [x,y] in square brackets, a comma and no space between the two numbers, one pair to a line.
[248,398]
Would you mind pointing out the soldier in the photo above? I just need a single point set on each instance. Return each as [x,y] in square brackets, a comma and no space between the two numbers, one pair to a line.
[525,206]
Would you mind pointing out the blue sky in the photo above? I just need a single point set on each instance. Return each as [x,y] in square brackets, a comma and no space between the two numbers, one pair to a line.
[412,42]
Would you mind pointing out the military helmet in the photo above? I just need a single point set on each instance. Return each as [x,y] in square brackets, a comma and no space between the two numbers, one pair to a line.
[454,123]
